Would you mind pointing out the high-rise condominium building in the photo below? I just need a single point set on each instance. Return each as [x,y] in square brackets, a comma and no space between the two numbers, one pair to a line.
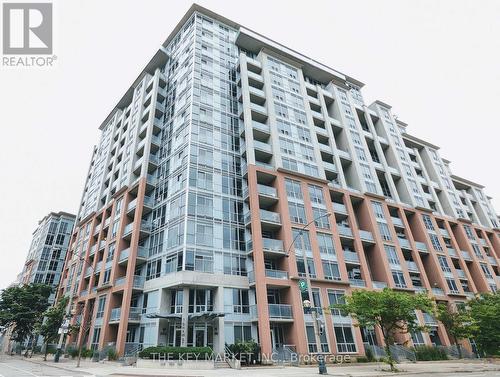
[45,261]
[224,147]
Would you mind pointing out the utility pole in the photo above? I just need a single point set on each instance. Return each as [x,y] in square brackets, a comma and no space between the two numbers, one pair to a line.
[310,302]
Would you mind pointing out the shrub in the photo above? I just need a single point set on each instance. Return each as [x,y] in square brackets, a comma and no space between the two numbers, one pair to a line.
[112,354]
[200,353]
[362,359]
[428,353]
[250,351]
[369,355]
[72,351]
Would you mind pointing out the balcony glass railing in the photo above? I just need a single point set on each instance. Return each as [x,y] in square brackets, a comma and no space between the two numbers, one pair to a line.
[280,311]
[357,282]
[271,244]
[365,235]
[267,190]
[421,246]
[262,146]
[344,231]
[276,274]
[461,273]
[412,266]
[115,315]
[138,281]
[351,256]
[465,255]
[269,216]
[340,208]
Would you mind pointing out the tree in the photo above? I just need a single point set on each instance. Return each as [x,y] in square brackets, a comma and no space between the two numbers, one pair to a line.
[53,319]
[485,311]
[391,311]
[22,308]
[457,321]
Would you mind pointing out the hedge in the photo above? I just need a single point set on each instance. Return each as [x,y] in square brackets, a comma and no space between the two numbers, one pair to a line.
[172,353]
[428,353]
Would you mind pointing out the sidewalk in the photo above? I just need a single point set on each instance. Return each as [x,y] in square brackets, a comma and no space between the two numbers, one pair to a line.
[424,368]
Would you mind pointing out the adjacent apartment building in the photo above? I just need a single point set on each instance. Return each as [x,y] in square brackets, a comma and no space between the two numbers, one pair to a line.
[47,253]
[223,148]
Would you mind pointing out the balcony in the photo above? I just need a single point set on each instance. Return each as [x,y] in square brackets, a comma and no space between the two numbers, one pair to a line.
[120,281]
[482,241]
[89,271]
[379,284]
[444,233]
[92,250]
[339,208]
[115,315]
[134,314]
[261,129]
[131,206]
[262,149]
[255,79]
[343,154]
[322,131]
[102,245]
[351,256]
[329,166]
[397,222]
[259,113]
[280,312]
[412,266]
[148,205]
[452,252]
[276,274]
[437,292]
[273,246]
[97,229]
[429,319]
[344,231]
[256,95]
[404,243]
[317,115]
[138,282]
[461,273]
[492,260]
[357,282]
[84,293]
[267,192]
[142,255]
[366,236]
[421,246]
[127,232]
[465,255]
[270,218]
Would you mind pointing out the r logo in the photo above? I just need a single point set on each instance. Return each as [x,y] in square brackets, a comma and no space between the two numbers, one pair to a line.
[27,28]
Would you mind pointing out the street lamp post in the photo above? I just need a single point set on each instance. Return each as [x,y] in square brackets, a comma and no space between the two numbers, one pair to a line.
[310,302]
[68,315]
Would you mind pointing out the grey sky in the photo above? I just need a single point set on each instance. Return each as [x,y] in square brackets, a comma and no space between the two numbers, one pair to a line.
[436,62]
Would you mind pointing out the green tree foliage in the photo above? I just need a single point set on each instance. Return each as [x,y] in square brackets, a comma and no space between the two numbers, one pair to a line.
[485,313]
[392,311]
[457,321]
[22,309]
[53,319]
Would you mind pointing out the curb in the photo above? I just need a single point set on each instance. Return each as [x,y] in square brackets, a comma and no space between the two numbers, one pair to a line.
[54,365]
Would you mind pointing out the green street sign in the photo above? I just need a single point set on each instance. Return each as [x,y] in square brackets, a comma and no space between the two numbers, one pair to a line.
[303,285]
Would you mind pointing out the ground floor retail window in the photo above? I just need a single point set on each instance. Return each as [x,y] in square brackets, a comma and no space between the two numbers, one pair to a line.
[198,335]
[345,339]
[242,333]
[311,341]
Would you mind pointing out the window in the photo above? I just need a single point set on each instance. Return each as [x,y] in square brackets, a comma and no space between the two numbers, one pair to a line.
[384,231]
[293,189]
[111,252]
[392,255]
[95,338]
[444,263]
[302,242]
[452,285]
[469,233]
[399,279]
[107,276]
[417,338]
[316,194]
[336,298]
[435,242]
[310,267]
[379,211]
[242,333]
[153,269]
[325,243]
[240,301]
[297,213]
[321,218]
[345,339]
[427,222]
[100,307]
[331,270]
[311,340]
[477,251]
[486,271]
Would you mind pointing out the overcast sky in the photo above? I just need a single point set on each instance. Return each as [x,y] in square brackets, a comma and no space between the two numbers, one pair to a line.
[436,62]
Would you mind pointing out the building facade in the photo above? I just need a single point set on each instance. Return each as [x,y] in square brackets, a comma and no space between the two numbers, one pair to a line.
[190,228]
[47,253]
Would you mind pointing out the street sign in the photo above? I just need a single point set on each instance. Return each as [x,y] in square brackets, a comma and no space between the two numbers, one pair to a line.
[302,285]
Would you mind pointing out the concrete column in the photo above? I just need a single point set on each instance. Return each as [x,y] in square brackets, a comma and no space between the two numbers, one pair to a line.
[184,318]
[219,307]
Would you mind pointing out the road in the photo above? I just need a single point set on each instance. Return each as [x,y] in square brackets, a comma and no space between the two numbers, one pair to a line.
[14,367]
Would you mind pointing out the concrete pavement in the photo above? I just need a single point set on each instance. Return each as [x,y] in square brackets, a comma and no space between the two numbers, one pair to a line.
[67,367]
